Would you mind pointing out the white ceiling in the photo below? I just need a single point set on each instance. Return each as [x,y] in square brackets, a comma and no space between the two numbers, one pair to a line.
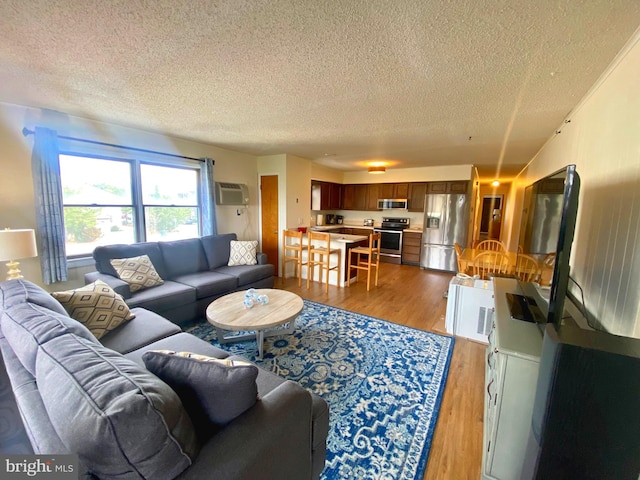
[413,82]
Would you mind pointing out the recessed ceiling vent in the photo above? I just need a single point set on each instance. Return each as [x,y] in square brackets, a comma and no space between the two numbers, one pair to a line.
[232,193]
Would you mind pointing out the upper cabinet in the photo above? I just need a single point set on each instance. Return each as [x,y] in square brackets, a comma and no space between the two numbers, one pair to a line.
[354,196]
[416,196]
[364,197]
[326,195]
[394,190]
[460,186]
[373,194]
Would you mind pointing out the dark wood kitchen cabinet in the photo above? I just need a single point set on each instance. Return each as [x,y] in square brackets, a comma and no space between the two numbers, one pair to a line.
[354,196]
[448,187]
[411,245]
[416,197]
[373,194]
[326,195]
[394,190]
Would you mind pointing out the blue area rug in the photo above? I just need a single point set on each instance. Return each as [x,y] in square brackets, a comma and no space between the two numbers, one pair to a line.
[383,382]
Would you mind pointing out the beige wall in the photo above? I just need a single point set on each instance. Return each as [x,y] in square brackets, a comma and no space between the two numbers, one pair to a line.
[603,140]
[16,190]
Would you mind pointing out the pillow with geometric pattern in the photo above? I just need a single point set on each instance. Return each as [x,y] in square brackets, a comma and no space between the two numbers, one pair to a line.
[243,253]
[138,272]
[96,306]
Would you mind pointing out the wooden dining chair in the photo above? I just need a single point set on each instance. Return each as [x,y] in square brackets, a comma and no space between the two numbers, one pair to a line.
[366,258]
[546,269]
[492,245]
[488,262]
[527,268]
[320,252]
[462,266]
[292,248]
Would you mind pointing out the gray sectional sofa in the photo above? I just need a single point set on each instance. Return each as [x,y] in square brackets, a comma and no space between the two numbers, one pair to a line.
[195,272]
[76,394]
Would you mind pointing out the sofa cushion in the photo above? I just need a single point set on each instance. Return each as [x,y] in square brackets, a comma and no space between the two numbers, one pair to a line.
[248,274]
[147,328]
[208,284]
[243,253]
[16,292]
[217,249]
[28,325]
[182,257]
[96,306]
[164,297]
[138,272]
[103,254]
[178,342]
[120,419]
[210,388]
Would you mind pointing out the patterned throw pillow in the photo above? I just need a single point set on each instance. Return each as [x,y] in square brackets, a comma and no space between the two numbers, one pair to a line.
[96,306]
[243,253]
[138,272]
[211,389]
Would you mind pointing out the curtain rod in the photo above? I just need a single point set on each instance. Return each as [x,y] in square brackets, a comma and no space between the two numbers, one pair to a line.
[26,132]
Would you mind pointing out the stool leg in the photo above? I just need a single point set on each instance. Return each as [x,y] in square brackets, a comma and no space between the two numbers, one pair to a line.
[328,272]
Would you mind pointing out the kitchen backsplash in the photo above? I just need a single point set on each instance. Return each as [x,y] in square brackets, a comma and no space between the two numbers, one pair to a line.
[354,217]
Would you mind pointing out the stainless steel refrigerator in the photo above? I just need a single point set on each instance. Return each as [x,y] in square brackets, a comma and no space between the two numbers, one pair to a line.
[446,220]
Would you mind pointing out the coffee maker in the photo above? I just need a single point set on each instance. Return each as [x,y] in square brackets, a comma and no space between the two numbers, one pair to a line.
[330,218]
[339,219]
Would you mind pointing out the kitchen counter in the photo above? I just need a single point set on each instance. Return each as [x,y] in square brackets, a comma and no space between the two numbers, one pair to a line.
[325,228]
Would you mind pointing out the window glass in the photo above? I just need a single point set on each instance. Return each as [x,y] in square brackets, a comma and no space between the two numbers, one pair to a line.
[171,223]
[168,185]
[100,207]
[96,194]
[89,181]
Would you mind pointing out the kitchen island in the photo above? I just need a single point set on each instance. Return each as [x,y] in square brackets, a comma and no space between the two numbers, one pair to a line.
[345,243]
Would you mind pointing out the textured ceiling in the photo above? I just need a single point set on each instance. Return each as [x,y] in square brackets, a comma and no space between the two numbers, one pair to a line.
[342,82]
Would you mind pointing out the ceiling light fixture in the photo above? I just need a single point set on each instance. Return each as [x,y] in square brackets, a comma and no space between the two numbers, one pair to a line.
[495,183]
[377,170]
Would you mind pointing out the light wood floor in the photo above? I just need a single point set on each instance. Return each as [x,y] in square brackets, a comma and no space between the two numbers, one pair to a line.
[414,297]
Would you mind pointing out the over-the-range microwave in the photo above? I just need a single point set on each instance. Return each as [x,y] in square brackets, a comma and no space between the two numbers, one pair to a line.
[397,203]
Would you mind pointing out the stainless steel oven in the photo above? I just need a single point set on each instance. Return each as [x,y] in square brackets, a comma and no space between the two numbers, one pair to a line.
[391,239]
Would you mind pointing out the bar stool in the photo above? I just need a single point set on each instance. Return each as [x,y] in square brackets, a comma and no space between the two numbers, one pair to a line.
[292,248]
[320,244]
[372,260]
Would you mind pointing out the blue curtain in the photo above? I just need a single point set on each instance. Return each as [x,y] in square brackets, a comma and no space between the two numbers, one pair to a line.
[45,169]
[207,185]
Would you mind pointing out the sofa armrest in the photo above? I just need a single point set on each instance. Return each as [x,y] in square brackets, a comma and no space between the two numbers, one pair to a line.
[119,286]
[270,440]
[262,258]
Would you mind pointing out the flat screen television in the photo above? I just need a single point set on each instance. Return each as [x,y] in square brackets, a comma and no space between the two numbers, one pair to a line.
[546,232]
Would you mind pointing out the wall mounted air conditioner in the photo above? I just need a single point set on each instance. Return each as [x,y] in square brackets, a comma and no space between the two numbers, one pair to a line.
[232,193]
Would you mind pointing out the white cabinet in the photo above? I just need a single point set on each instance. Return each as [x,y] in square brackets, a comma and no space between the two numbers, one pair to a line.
[511,374]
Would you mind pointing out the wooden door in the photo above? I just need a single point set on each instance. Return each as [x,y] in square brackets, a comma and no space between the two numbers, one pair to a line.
[269,217]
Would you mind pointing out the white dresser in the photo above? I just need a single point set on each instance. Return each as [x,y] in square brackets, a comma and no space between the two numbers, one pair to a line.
[511,374]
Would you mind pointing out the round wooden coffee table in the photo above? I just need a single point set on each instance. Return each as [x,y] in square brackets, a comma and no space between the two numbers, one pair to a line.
[228,313]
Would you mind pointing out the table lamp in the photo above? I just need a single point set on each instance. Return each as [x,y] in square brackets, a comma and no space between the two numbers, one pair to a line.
[16,244]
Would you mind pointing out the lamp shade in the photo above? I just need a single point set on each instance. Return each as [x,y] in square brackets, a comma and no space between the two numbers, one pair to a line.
[17,244]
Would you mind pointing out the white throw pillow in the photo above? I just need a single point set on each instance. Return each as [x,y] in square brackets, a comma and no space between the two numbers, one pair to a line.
[243,253]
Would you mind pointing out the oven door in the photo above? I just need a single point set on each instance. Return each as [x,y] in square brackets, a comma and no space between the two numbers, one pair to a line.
[390,242]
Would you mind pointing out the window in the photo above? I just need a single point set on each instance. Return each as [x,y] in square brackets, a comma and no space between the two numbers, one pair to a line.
[109,201]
